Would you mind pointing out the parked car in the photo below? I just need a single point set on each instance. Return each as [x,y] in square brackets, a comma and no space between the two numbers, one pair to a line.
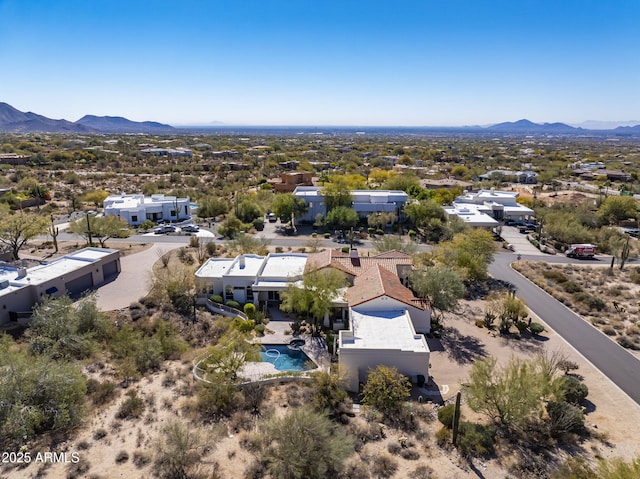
[190,228]
[160,230]
[272,217]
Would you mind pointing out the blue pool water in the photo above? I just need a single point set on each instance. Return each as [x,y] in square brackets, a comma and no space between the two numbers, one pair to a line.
[284,359]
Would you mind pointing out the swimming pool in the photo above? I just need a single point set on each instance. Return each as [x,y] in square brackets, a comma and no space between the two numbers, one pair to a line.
[286,359]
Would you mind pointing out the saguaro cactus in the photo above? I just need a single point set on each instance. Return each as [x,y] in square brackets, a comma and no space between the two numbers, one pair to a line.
[54,232]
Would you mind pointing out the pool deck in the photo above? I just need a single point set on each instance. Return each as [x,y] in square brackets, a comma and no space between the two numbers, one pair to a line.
[276,333]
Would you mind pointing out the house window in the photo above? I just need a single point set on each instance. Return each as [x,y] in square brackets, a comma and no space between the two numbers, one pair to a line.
[134,218]
[172,213]
[228,292]
[249,293]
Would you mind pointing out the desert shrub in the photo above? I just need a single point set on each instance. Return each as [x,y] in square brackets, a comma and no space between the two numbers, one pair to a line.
[325,449]
[260,329]
[386,389]
[443,437]
[243,325]
[410,454]
[489,319]
[555,275]
[250,310]
[567,365]
[100,434]
[216,298]
[445,415]
[141,458]
[627,342]
[384,466]
[536,328]
[132,407]
[634,275]
[233,304]
[571,287]
[194,242]
[590,301]
[422,472]
[101,392]
[476,439]
[394,448]
[609,331]
[479,323]
[122,457]
[573,390]
[564,418]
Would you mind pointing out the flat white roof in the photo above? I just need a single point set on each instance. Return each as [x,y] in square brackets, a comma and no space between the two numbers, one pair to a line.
[251,266]
[283,266]
[470,213]
[384,330]
[214,268]
[90,254]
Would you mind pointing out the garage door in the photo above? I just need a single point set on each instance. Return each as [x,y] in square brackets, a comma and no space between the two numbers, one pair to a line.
[110,269]
[79,285]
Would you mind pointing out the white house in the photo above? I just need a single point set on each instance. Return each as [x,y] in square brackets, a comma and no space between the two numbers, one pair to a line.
[73,274]
[364,202]
[386,327]
[386,322]
[137,208]
[488,207]
[250,278]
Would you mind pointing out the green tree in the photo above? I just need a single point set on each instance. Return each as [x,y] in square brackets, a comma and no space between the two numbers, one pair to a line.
[17,229]
[248,210]
[62,329]
[96,197]
[304,444]
[342,218]
[286,206]
[99,228]
[337,194]
[393,242]
[470,252]
[514,393]
[386,389]
[210,207]
[314,297]
[441,286]
[429,218]
[615,209]
[401,182]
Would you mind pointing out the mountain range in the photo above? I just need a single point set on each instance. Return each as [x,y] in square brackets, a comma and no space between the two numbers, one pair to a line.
[15,121]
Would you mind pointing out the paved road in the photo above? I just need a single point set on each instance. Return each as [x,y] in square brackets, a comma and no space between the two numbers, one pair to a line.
[612,360]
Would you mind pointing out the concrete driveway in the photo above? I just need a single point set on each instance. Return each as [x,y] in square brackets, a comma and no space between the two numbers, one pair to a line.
[519,241]
[134,280]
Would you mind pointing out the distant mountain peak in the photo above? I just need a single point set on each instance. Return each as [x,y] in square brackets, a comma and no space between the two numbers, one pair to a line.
[14,120]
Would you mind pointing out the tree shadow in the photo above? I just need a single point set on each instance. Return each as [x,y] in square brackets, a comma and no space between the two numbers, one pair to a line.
[460,348]
[525,342]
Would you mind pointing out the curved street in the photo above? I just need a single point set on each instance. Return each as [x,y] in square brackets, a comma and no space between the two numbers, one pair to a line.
[620,366]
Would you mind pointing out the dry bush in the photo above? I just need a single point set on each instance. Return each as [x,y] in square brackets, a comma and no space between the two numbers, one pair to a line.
[384,465]
[122,457]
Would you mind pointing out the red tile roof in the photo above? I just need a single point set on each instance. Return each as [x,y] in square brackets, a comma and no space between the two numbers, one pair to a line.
[377,281]
[357,265]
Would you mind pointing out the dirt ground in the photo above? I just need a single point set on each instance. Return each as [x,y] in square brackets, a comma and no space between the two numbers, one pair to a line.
[102,441]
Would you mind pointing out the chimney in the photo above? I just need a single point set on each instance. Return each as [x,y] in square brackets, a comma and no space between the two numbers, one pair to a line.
[22,272]
[353,254]
[241,261]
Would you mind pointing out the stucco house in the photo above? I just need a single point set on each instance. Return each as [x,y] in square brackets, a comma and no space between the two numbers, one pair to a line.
[138,208]
[385,323]
[73,274]
[364,202]
[487,208]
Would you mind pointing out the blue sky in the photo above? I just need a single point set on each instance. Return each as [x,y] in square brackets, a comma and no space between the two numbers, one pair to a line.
[323,62]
